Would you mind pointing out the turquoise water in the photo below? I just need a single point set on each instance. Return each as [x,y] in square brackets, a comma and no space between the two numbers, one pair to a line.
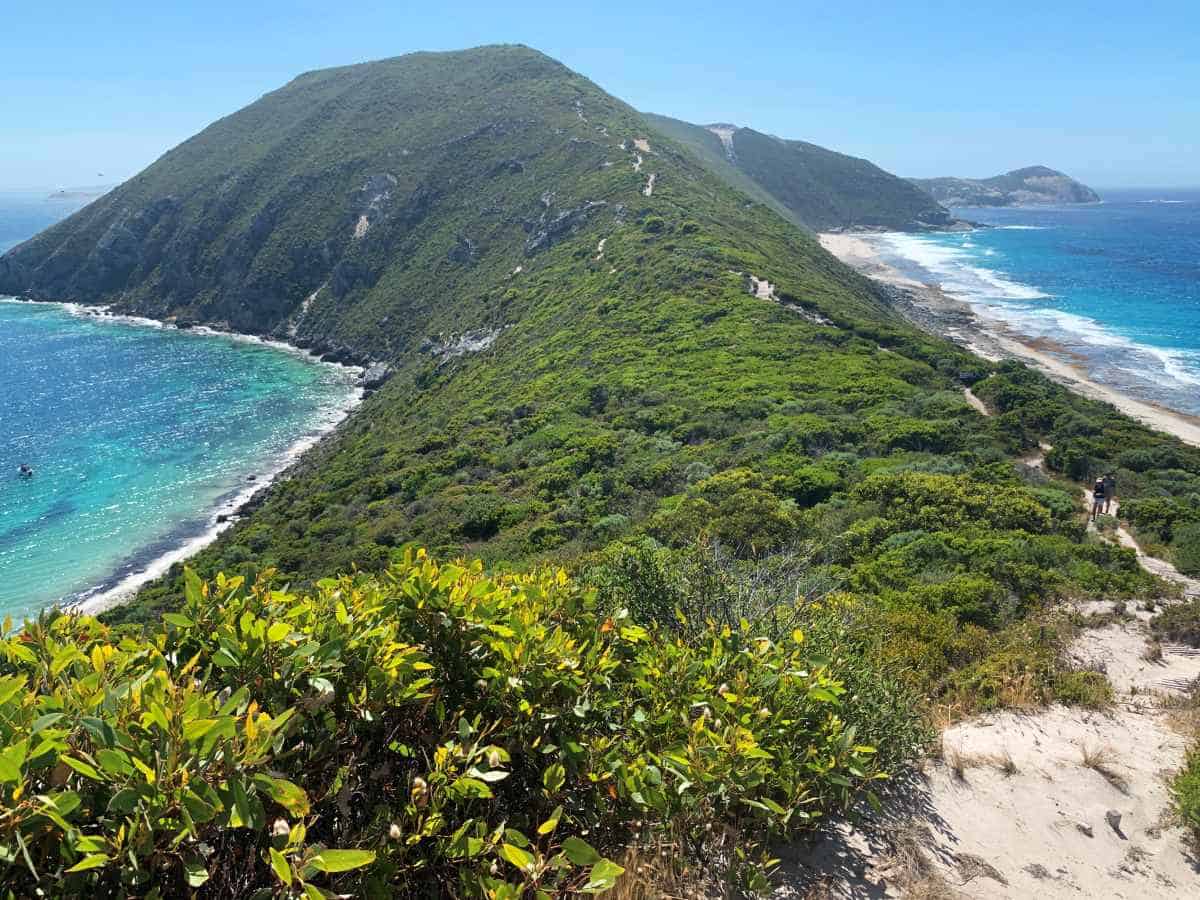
[1115,285]
[137,435]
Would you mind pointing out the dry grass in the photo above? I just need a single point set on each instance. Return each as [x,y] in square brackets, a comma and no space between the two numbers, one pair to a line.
[913,871]
[959,762]
[1020,693]
[1100,760]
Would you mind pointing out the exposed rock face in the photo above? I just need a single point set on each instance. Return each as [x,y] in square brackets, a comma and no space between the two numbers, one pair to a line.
[1021,187]
[552,226]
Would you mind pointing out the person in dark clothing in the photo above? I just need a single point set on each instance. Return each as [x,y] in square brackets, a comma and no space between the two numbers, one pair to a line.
[25,470]
[1110,491]
[1097,498]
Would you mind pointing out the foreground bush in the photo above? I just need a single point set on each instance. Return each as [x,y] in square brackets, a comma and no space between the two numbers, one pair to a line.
[1185,787]
[426,731]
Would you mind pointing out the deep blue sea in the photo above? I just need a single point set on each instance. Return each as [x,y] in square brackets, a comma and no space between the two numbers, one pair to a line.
[1116,285]
[138,436]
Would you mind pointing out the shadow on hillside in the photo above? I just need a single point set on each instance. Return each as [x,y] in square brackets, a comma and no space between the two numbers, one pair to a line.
[867,852]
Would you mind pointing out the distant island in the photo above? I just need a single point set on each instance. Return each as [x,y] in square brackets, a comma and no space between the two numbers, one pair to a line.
[79,193]
[1020,187]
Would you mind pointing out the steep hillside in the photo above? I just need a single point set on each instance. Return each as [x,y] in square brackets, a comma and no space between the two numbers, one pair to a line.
[814,187]
[789,531]
[1034,184]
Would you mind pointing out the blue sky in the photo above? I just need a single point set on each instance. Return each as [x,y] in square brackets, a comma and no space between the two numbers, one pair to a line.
[1109,92]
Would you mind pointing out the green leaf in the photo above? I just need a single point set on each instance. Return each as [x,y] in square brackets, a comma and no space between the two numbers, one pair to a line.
[193,587]
[179,620]
[42,722]
[522,859]
[198,808]
[603,877]
[288,795]
[341,860]
[194,871]
[11,760]
[91,861]
[11,685]
[580,852]
[124,801]
[279,865]
[551,823]
[114,761]
[823,695]
[278,632]
[224,659]
[83,768]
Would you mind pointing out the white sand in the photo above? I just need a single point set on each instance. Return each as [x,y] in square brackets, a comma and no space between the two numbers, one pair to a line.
[859,254]
[1012,809]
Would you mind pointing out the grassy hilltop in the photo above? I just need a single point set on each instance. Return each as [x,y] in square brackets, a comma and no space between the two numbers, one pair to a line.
[746,541]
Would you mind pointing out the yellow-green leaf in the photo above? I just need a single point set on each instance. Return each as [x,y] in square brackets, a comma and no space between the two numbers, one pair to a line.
[279,865]
[522,859]
[91,861]
[342,860]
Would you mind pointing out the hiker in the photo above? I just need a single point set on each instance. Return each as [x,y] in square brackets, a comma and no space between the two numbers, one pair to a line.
[1110,491]
[1097,498]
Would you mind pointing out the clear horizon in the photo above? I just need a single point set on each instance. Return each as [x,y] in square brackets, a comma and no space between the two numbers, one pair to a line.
[1099,91]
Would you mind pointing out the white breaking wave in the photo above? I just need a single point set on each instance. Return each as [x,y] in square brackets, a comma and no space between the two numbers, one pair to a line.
[996,296]
[956,270]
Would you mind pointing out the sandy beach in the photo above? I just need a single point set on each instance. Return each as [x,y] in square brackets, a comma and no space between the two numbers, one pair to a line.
[936,310]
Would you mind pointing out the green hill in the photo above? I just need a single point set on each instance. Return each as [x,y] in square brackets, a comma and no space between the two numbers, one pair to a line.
[787,534]
[1031,185]
[814,187]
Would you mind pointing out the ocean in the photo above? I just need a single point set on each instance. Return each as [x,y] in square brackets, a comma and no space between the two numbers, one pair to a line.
[138,435]
[1112,287]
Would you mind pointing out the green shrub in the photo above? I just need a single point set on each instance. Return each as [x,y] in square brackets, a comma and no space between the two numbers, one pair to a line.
[426,731]
[1185,548]
[1083,688]
[1179,622]
[1185,788]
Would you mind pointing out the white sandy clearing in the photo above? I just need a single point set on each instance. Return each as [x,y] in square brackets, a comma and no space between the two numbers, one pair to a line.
[642,144]
[600,250]
[361,226]
[725,134]
[637,162]
[1057,803]
[648,190]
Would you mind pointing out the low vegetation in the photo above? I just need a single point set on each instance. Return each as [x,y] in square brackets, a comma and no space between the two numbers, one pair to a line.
[787,543]
[429,729]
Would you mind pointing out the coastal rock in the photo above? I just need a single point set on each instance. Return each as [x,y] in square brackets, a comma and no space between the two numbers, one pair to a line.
[1020,187]
[375,376]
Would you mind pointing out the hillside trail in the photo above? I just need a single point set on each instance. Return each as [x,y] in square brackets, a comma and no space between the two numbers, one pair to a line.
[1056,802]
[978,404]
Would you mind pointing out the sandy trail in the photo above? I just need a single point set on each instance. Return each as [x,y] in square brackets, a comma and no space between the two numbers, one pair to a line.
[1057,803]
[976,402]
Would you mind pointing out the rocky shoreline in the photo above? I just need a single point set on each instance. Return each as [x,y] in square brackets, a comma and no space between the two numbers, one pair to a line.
[931,308]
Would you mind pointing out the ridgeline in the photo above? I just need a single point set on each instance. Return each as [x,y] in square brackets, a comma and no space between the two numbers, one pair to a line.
[815,188]
[1021,187]
[786,532]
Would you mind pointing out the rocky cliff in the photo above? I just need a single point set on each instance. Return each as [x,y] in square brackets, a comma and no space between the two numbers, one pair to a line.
[1032,185]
